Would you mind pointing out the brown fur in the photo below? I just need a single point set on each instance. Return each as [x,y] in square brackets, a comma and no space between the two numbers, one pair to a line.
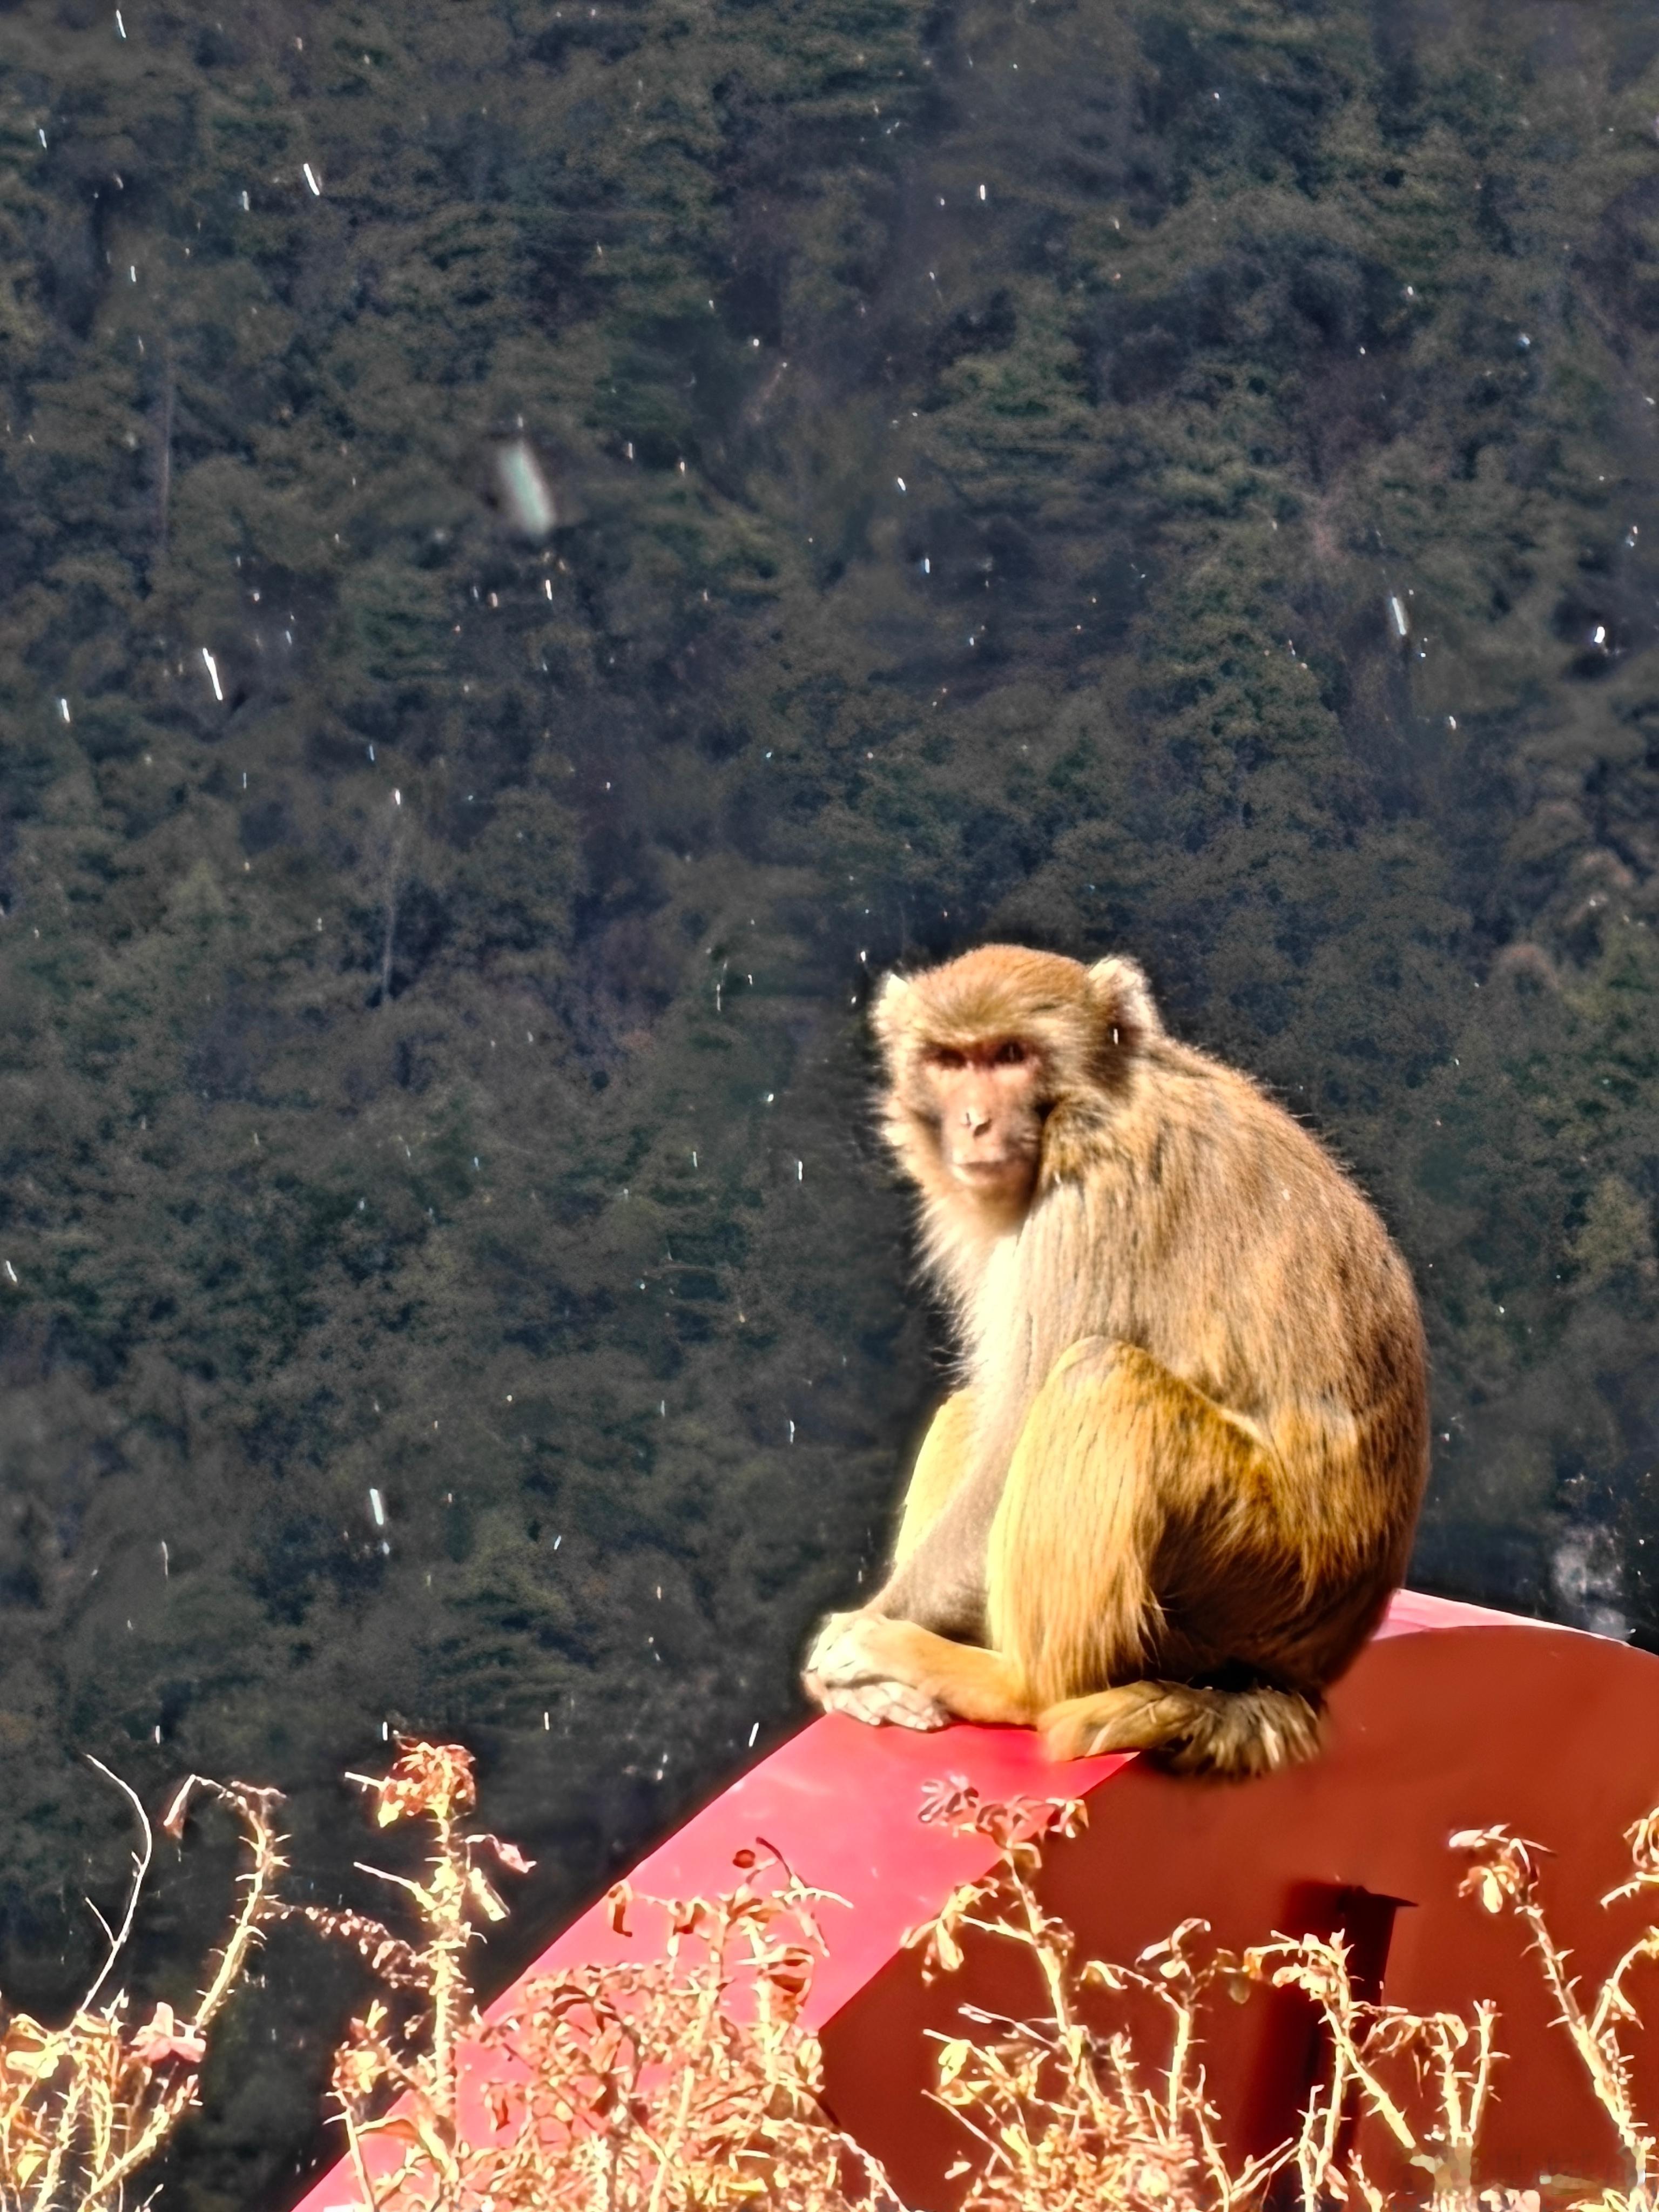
[1179,1483]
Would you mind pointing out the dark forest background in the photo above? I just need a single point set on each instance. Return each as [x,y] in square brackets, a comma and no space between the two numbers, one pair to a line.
[1182,479]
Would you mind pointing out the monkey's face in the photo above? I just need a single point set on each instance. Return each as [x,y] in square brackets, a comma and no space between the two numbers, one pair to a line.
[989,1104]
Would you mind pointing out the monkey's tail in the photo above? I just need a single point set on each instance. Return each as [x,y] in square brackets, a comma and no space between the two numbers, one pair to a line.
[1189,1728]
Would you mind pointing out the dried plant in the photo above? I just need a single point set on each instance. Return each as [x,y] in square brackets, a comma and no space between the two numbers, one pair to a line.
[686,2078]
[85,2107]
[1452,2055]
[1065,2115]
[411,2047]
[1504,1876]
[683,2079]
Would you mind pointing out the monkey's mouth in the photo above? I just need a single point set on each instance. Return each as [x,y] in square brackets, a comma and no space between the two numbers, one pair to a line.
[1010,1168]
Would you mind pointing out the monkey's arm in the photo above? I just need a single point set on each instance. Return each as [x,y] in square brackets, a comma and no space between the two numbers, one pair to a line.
[936,1576]
[938,1579]
[937,1590]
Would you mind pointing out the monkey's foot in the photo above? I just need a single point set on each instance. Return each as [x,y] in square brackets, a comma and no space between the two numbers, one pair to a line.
[882,1703]
[1137,1716]
[848,1672]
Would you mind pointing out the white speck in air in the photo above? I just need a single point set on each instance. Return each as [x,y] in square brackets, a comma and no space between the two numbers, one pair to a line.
[63,709]
[754,1729]
[311,178]
[377,1507]
[211,667]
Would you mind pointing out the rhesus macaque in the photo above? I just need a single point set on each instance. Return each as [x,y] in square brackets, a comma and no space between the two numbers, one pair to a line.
[1170,1500]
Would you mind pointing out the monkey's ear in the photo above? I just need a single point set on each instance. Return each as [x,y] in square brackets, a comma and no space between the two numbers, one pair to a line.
[1124,996]
[887,1008]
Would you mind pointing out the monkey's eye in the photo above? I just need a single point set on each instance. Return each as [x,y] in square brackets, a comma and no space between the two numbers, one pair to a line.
[945,1055]
[1012,1055]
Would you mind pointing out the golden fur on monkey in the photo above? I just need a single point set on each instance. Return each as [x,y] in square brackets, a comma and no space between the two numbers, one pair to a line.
[1171,1499]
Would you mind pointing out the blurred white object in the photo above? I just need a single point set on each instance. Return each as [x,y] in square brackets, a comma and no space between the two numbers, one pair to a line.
[525,493]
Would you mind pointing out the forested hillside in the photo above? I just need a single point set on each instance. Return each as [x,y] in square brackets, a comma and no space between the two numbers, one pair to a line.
[1179,479]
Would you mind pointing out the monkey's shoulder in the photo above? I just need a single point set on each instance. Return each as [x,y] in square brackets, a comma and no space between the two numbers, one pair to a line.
[1221,1111]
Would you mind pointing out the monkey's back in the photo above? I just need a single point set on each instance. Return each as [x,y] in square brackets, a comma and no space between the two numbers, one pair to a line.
[1234,1250]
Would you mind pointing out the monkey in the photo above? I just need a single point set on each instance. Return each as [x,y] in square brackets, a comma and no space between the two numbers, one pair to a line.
[1178,1481]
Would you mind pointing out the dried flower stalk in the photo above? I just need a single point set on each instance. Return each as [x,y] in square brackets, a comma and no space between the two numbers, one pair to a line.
[85,2107]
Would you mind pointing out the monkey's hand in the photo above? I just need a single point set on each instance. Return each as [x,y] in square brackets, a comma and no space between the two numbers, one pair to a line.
[848,1672]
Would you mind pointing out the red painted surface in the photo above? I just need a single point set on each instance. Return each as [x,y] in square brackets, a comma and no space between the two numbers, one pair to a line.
[1454,1717]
